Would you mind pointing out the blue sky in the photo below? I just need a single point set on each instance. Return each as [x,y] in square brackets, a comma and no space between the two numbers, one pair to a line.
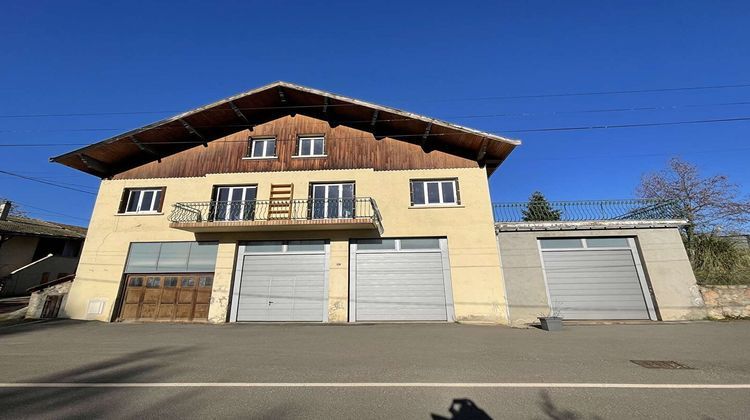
[445,61]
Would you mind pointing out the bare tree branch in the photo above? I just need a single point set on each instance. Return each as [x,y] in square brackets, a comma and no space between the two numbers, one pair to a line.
[708,203]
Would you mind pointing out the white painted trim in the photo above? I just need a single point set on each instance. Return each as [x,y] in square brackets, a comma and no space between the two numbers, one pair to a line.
[326,202]
[154,200]
[437,206]
[587,225]
[425,193]
[265,141]
[575,385]
[142,213]
[311,138]
[229,202]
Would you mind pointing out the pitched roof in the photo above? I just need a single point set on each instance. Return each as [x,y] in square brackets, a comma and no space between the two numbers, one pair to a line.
[34,227]
[246,110]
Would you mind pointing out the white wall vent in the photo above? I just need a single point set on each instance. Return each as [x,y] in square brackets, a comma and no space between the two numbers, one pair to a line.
[95,307]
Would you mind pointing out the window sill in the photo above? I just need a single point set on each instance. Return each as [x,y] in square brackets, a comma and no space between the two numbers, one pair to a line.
[159,213]
[310,157]
[439,206]
[260,158]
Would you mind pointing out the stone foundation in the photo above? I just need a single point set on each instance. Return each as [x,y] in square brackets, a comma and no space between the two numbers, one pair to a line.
[727,301]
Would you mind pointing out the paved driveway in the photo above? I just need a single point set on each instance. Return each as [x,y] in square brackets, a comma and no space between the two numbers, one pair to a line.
[373,371]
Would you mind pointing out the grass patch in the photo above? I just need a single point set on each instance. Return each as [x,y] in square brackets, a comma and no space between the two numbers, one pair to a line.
[719,261]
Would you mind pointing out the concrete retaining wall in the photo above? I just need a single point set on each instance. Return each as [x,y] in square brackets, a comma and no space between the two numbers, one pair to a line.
[727,301]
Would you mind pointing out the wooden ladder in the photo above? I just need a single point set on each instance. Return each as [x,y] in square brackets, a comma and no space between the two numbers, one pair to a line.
[280,202]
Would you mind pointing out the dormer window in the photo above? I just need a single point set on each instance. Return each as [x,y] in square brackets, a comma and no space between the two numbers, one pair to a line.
[310,146]
[262,148]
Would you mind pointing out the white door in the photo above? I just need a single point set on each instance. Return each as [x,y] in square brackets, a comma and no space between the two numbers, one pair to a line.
[235,203]
[332,201]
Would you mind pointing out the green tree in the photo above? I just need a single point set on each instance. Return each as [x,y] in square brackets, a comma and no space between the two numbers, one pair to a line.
[538,209]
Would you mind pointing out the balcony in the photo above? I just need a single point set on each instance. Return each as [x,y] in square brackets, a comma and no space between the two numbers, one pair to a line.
[587,214]
[276,215]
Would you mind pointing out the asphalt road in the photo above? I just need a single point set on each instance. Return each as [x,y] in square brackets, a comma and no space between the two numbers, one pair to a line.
[266,371]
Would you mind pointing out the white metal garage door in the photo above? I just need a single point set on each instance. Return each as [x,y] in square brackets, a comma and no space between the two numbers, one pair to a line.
[596,278]
[281,281]
[400,280]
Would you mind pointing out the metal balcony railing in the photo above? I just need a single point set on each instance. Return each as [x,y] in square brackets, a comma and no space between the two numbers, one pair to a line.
[343,209]
[593,210]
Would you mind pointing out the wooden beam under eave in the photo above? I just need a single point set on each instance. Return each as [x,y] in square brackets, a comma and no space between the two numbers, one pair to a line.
[238,112]
[426,134]
[101,169]
[145,148]
[482,149]
[193,131]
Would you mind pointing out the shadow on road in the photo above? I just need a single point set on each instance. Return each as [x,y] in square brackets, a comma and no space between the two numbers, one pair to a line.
[554,412]
[21,326]
[464,409]
[142,366]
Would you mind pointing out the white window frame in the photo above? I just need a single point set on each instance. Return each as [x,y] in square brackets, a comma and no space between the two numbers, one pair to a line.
[585,243]
[139,210]
[264,154]
[398,248]
[228,208]
[440,182]
[340,204]
[311,139]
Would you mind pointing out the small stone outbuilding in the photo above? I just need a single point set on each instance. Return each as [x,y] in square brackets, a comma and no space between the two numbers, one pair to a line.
[47,299]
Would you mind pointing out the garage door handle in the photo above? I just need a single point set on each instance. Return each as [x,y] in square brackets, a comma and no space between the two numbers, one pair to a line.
[270,302]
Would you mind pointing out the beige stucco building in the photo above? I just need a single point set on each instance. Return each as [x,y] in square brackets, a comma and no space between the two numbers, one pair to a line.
[287,203]
[297,218]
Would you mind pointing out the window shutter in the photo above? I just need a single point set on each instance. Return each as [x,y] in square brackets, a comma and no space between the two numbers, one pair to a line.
[123,200]
[458,193]
[160,204]
[411,192]
[249,151]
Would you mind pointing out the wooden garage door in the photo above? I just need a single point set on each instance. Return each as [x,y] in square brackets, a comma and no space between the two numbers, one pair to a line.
[167,297]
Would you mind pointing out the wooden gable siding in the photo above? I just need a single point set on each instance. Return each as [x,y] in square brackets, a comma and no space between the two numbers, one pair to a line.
[346,148]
